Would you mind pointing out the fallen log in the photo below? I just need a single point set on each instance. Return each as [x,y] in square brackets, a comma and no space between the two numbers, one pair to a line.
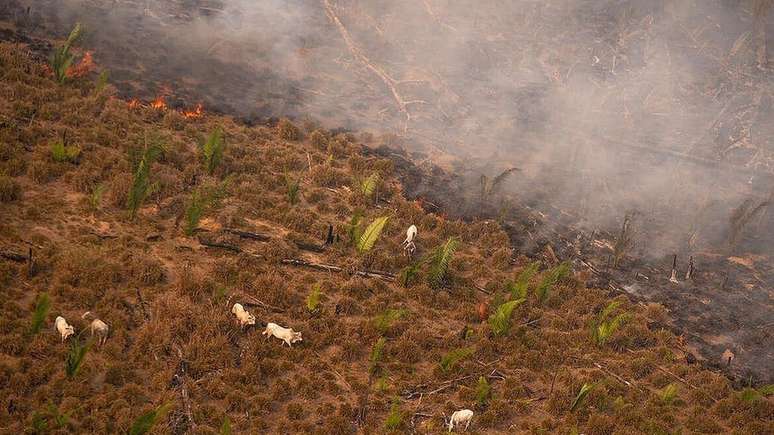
[8,255]
[248,235]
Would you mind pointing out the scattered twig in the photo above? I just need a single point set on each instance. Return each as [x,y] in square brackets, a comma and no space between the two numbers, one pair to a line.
[330,268]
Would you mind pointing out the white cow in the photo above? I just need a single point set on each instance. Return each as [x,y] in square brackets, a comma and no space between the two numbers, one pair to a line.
[408,244]
[245,318]
[288,335]
[64,329]
[460,417]
[97,327]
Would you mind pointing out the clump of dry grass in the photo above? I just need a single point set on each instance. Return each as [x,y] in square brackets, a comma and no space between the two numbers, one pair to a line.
[10,190]
[287,130]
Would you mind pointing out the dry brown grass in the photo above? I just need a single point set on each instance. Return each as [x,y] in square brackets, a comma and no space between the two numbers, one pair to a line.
[160,291]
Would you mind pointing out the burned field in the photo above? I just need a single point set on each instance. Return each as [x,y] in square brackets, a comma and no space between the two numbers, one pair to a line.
[539,292]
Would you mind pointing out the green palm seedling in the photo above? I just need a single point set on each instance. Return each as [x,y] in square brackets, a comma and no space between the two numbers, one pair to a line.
[452,358]
[605,324]
[376,355]
[579,399]
[483,391]
[520,287]
[439,262]
[141,186]
[550,279]
[75,357]
[42,306]
[144,423]
[292,188]
[500,320]
[384,321]
[62,58]
[313,299]
[212,150]
[202,199]
[369,185]
[371,234]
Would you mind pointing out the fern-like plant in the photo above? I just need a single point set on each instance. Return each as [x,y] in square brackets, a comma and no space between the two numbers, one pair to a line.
[62,58]
[144,423]
[582,393]
[42,306]
[371,235]
[605,324]
[500,320]
[384,321]
[520,287]
[141,186]
[483,390]
[62,153]
[75,357]
[212,150]
[452,358]
[376,355]
[292,188]
[313,299]
[439,262]
[551,277]
[368,186]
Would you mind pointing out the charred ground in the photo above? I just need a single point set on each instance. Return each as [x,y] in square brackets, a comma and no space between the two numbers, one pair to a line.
[166,295]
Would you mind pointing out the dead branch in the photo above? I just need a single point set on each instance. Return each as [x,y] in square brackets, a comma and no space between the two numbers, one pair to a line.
[248,235]
[377,70]
[336,269]
[213,244]
[19,258]
[256,302]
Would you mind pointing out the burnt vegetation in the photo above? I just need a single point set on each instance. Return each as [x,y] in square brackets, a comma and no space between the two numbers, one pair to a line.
[383,346]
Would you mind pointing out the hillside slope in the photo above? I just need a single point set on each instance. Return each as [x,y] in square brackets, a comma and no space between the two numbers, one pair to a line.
[167,295]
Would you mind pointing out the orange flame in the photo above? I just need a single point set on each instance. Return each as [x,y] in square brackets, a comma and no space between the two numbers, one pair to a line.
[133,103]
[196,113]
[159,103]
[84,67]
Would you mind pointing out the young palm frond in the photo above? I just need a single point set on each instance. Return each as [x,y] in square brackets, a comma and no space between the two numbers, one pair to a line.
[584,391]
[369,185]
[75,357]
[384,321]
[371,235]
[450,360]
[144,423]
[212,150]
[408,273]
[41,311]
[395,418]
[202,199]
[225,429]
[483,390]
[500,320]
[62,153]
[550,279]
[668,394]
[353,228]
[439,262]
[141,186]
[292,188]
[604,326]
[313,299]
[376,355]
[625,240]
[95,197]
[63,58]
[520,287]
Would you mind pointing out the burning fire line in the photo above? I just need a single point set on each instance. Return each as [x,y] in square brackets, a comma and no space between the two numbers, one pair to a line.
[159,103]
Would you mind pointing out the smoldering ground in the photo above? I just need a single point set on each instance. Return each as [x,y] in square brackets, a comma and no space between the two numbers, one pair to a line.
[607,107]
